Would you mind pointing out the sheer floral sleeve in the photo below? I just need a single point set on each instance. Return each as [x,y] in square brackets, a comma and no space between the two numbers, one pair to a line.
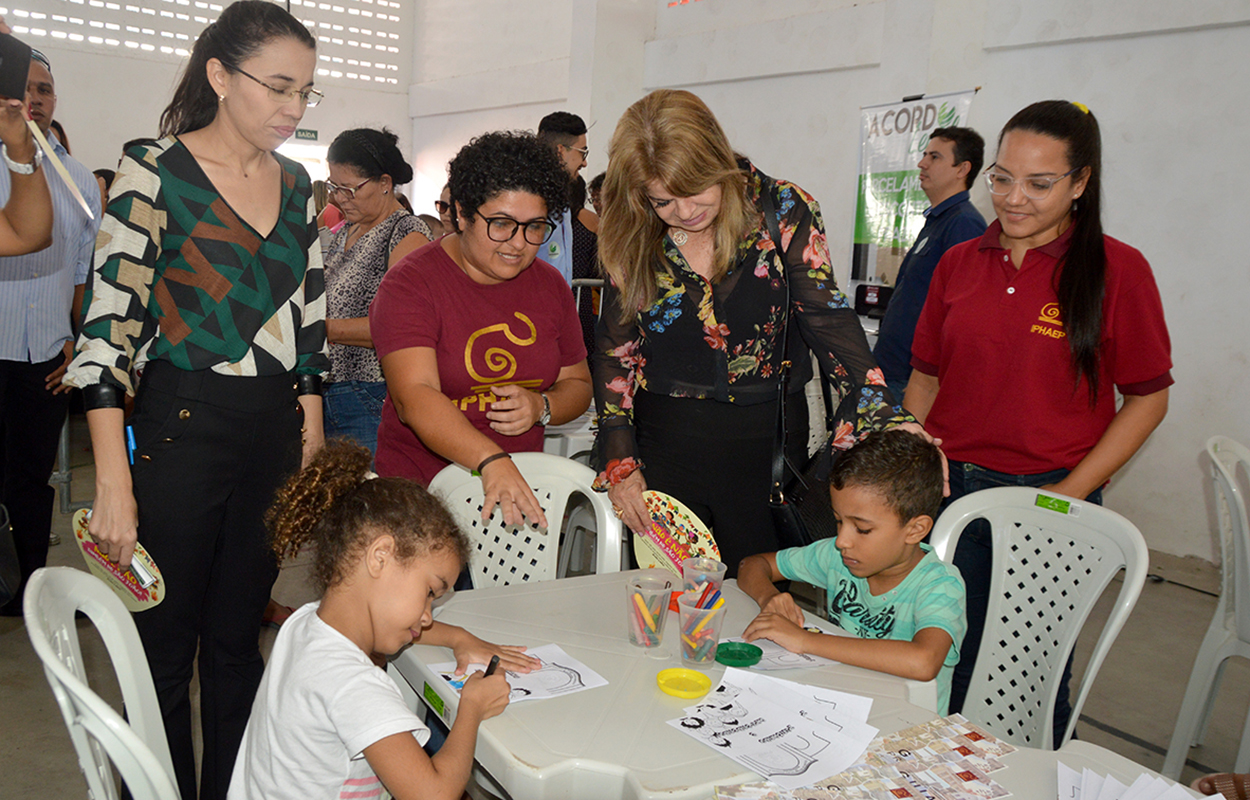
[829,325]
[617,360]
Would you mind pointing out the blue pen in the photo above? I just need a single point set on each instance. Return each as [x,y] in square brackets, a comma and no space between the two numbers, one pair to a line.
[130,444]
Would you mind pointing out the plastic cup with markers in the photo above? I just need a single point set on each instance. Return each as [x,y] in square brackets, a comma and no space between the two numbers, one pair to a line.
[698,574]
[700,620]
[646,609]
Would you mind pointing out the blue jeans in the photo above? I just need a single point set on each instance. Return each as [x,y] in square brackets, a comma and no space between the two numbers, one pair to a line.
[353,410]
[974,557]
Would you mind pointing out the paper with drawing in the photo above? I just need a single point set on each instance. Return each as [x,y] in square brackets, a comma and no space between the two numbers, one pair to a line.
[758,722]
[560,674]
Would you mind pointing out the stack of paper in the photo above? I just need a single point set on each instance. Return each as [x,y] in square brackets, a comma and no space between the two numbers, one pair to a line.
[792,734]
[948,758]
[1089,785]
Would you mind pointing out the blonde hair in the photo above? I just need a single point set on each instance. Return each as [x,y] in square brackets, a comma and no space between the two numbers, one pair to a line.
[672,137]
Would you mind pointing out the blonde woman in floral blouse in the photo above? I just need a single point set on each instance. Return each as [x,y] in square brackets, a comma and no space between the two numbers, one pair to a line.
[687,350]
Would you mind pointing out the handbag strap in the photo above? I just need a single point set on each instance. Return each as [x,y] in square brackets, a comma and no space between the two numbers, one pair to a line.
[777,490]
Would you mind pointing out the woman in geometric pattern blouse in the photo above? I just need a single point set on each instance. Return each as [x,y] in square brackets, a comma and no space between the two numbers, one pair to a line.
[208,283]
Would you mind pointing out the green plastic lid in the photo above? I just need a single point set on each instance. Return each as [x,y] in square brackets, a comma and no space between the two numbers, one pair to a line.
[738,654]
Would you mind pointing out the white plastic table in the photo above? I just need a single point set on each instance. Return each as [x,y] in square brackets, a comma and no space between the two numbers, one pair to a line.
[614,741]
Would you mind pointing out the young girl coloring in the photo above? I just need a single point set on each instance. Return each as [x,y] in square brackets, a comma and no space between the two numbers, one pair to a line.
[327,722]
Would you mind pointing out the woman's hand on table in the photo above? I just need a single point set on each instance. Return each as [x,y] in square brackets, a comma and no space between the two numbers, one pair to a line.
[516,411]
[783,605]
[627,496]
[918,429]
[779,629]
[505,487]
[469,649]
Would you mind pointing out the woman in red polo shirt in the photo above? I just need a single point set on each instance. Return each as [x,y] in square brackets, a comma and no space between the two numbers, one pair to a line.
[1027,334]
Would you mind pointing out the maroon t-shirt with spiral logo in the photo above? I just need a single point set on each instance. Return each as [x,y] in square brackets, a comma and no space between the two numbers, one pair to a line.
[522,331]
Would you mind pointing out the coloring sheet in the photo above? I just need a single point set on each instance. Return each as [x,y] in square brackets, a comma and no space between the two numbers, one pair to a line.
[841,710]
[757,728]
[560,674]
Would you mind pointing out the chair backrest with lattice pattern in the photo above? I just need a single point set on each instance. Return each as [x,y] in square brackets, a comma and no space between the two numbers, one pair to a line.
[1053,557]
[507,554]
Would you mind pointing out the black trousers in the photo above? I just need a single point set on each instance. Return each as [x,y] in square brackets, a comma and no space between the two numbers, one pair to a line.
[210,452]
[716,459]
[30,426]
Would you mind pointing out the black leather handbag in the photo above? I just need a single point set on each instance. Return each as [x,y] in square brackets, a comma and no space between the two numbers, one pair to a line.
[800,507]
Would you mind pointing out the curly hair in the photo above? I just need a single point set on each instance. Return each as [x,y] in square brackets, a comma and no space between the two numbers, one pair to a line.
[904,468]
[335,505]
[505,161]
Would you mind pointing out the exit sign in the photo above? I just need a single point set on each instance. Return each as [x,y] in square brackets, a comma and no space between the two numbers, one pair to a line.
[307,134]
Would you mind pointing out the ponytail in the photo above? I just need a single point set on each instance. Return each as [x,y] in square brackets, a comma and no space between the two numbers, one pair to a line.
[239,32]
[1082,275]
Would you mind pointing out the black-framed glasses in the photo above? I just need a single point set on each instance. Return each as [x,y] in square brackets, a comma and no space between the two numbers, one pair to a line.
[502,229]
[442,206]
[1034,188]
[333,188]
[309,97]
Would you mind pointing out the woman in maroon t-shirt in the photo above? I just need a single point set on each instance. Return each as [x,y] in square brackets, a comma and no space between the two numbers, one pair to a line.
[1024,338]
[479,341]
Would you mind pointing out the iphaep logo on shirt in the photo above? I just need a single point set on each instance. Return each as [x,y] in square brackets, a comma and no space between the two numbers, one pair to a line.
[1048,322]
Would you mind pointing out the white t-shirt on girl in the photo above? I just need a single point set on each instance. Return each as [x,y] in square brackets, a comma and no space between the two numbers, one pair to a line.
[320,704]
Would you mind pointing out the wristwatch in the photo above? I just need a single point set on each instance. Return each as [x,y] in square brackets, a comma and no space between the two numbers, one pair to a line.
[545,417]
[22,169]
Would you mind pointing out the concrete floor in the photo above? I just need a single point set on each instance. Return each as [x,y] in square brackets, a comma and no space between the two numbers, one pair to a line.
[1131,710]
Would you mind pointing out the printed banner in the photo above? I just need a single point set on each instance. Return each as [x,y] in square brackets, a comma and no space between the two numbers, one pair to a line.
[890,211]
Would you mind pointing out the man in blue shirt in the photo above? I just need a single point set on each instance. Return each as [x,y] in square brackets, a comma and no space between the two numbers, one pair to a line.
[36,340]
[952,160]
[567,134]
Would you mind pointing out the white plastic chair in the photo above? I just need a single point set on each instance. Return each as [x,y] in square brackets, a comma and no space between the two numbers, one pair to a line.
[101,736]
[1053,557]
[1229,633]
[514,554]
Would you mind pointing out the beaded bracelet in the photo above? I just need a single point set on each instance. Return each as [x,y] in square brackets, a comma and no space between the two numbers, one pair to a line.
[618,469]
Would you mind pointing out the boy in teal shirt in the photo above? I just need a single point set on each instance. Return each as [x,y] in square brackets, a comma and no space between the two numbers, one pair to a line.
[886,588]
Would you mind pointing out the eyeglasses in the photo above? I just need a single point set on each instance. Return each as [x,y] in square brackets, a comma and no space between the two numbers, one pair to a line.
[442,206]
[502,229]
[309,97]
[333,188]
[585,151]
[1034,188]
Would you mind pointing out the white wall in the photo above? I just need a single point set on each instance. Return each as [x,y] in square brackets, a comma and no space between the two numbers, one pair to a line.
[104,100]
[786,80]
